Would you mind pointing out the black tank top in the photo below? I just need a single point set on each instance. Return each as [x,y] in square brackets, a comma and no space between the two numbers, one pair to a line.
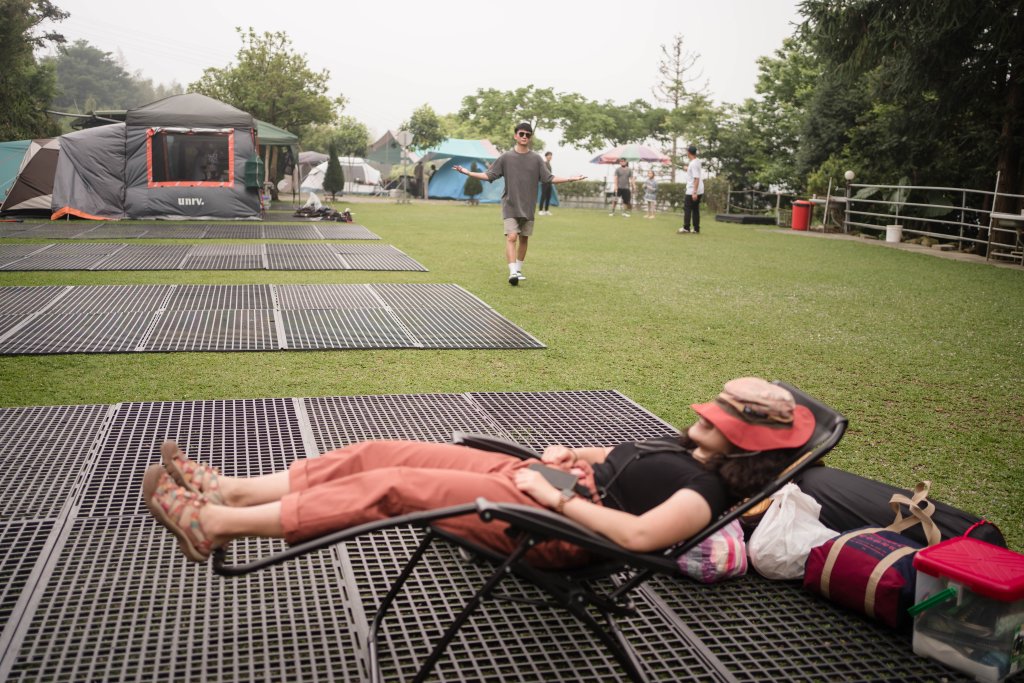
[640,475]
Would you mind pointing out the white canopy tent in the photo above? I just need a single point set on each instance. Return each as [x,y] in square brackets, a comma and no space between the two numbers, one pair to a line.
[360,177]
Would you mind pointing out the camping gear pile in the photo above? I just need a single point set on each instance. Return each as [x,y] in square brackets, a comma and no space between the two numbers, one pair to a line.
[324,213]
[870,570]
[963,596]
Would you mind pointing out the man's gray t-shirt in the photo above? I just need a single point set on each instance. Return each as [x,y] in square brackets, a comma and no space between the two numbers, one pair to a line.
[521,172]
[622,176]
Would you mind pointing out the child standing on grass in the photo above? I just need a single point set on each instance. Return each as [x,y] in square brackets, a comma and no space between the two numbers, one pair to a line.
[650,193]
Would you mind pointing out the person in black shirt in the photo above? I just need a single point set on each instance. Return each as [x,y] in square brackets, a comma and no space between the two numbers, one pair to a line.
[646,495]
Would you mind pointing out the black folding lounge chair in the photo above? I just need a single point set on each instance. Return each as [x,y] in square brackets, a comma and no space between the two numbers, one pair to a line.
[573,590]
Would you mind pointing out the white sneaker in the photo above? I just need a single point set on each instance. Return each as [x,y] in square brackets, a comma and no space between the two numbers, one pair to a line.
[520,275]
[513,279]
[625,215]
[612,213]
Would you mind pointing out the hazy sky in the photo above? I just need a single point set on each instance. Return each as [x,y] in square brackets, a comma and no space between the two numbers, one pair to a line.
[388,58]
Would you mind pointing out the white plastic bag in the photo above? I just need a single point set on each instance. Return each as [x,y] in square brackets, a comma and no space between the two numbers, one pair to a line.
[788,531]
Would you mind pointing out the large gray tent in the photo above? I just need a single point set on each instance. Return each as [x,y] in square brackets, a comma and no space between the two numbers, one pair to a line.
[183,157]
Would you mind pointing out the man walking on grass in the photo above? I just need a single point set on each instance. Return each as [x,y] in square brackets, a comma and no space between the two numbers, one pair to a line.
[624,186]
[522,170]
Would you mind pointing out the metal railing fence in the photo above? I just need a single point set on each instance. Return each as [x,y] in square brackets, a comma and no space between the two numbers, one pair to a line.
[960,216]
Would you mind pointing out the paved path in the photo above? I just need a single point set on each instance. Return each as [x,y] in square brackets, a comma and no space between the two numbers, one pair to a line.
[905,246]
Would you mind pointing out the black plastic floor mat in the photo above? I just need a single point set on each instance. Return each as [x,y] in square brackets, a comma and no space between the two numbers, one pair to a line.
[273,256]
[163,318]
[285,231]
[94,589]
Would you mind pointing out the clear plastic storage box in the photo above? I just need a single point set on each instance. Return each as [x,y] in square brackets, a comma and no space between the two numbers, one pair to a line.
[970,607]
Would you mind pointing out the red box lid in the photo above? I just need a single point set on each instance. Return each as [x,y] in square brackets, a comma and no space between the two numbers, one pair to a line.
[988,570]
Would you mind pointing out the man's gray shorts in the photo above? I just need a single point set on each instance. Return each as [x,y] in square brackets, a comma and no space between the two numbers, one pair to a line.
[518,226]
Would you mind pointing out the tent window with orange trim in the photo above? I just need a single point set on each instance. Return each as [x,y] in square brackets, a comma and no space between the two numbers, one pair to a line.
[190,157]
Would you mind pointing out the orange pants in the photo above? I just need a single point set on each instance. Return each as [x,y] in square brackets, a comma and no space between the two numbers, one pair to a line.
[375,480]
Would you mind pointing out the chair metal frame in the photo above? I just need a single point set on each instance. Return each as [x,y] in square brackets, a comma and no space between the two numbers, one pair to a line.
[571,590]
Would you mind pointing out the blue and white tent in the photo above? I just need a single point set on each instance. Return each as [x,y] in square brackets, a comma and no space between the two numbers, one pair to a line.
[447,183]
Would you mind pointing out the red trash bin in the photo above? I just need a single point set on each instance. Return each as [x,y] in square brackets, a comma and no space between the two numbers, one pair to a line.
[801,214]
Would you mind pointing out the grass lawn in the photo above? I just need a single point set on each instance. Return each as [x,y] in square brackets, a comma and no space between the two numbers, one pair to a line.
[922,354]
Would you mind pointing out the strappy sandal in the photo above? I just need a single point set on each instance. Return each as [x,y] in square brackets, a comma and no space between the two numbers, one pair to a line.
[191,475]
[178,510]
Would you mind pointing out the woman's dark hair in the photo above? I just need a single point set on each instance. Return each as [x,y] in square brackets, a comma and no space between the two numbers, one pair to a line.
[745,476]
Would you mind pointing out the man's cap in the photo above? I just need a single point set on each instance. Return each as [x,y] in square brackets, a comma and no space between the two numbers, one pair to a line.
[691,149]
[756,415]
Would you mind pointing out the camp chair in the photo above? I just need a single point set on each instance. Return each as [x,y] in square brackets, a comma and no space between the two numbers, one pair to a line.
[573,590]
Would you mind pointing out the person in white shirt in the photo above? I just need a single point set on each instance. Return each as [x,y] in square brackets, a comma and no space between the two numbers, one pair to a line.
[694,192]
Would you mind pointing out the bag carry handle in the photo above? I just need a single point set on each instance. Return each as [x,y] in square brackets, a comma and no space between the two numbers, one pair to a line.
[921,511]
[825,582]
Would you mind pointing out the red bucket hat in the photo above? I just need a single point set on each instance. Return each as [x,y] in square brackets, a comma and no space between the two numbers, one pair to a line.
[757,415]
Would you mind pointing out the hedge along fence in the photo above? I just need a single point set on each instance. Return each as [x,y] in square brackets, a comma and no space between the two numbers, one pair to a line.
[674,194]
[671,196]
[581,189]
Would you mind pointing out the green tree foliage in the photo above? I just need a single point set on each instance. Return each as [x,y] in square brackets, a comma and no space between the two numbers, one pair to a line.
[591,125]
[89,79]
[456,127]
[334,178]
[585,123]
[765,141]
[700,121]
[349,137]
[27,86]
[425,128]
[944,85]
[596,125]
[473,186]
[272,83]
[495,113]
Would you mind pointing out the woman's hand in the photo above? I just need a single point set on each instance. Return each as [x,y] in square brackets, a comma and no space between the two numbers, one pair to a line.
[559,456]
[533,484]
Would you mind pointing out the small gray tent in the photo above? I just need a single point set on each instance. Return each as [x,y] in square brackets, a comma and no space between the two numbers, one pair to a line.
[183,157]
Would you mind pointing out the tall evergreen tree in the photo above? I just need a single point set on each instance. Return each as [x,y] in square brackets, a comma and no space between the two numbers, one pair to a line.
[473,186]
[334,178]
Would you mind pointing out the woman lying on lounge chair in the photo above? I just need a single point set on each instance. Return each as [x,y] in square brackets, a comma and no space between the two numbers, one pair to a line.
[646,495]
